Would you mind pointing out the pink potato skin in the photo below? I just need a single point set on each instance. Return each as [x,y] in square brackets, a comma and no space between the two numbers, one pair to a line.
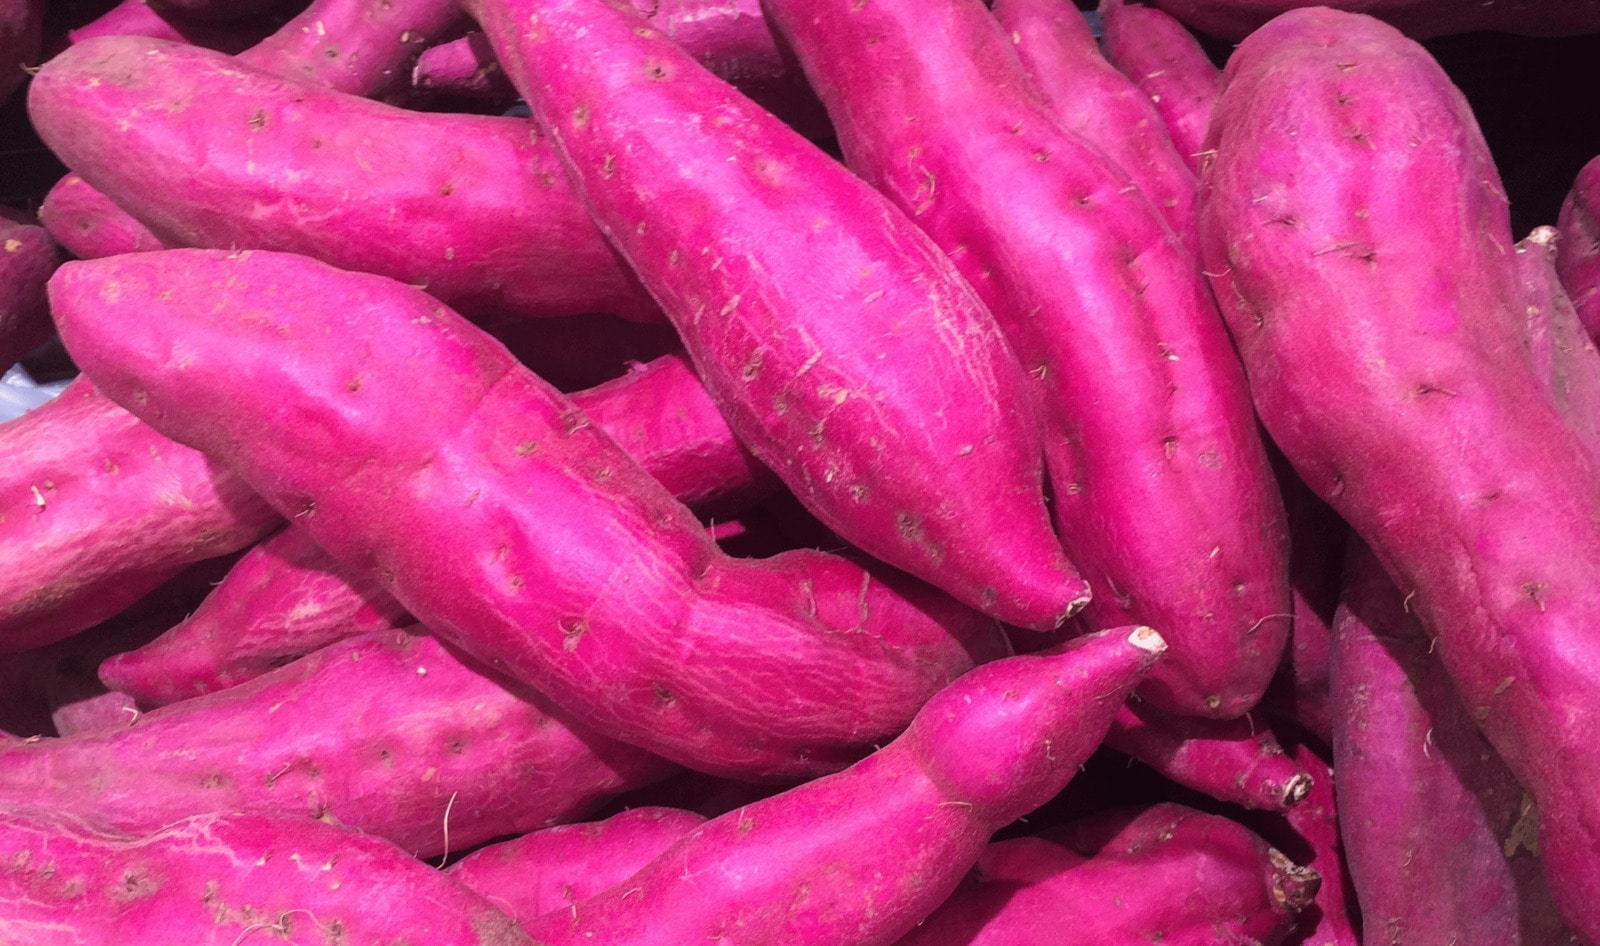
[554,868]
[1578,250]
[75,468]
[1419,19]
[1439,837]
[1168,875]
[863,855]
[465,67]
[1400,290]
[590,580]
[1559,347]
[1093,100]
[475,208]
[223,880]
[1169,65]
[287,596]
[89,225]
[826,326]
[1163,493]
[1233,760]
[28,256]
[388,733]
[21,36]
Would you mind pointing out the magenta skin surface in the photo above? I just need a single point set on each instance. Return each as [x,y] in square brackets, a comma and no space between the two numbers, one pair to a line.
[1420,19]
[1169,65]
[139,18]
[1578,250]
[381,733]
[96,509]
[28,256]
[552,869]
[1233,760]
[474,208]
[1361,242]
[1163,493]
[1099,104]
[464,66]
[1560,348]
[863,855]
[587,578]
[21,35]
[224,880]
[1439,837]
[89,225]
[287,597]
[362,47]
[1309,834]
[844,349]
[1167,875]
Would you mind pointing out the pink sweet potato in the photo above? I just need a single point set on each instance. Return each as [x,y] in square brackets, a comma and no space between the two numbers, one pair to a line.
[363,47]
[1361,244]
[463,67]
[1439,837]
[1096,102]
[223,880]
[826,326]
[97,509]
[863,855]
[1420,19]
[1162,490]
[1234,760]
[27,258]
[554,868]
[89,224]
[388,733]
[1168,875]
[589,580]
[1578,251]
[1560,349]
[1169,65]
[489,223]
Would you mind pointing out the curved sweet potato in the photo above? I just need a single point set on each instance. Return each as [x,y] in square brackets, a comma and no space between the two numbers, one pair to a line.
[28,256]
[1169,65]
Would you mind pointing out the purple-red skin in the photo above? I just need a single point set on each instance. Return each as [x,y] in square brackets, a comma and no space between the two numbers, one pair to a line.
[361,47]
[1578,250]
[139,18]
[1164,59]
[475,208]
[389,733]
[1360,242]
[845,350]
[552,869]
[1559,346]
[21,37]
[1419,19]
[227,879]
[287,597]
[1233,760]
[1440,839]
[28,256]
[588,579]
[89,224]
[863,855]
[84,712]
[1168,875]
[97,509]
[1096,102]
[464,66]
[1163,493]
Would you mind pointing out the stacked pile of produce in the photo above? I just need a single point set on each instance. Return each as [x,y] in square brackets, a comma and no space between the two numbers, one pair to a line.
[800,471]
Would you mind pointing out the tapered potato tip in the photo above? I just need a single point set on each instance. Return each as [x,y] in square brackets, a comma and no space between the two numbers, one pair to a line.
[1146,638]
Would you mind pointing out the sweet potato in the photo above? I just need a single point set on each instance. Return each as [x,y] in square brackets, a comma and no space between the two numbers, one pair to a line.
[1163,495]
[1096,102]
[588,579]
[363,47]
[218,880]
[825,325]
[27,258]
[1439,837]
[1578,251]
[89,224]
[1420,19]
[388,733]
[1360,242]
[863,855]
[1560,349]
[97,509]
[1234,760]
[463,67]
[1169,65]
[554,868]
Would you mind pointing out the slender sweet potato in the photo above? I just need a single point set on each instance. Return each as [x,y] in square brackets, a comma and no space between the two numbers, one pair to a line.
[1163,494]
[363,47]
[1420,19]
[27,258]
[1360,242]
[89,224]
[466,67]
[1168,875]
[1230,760]
[1169,65]
[586,577]
[825,325]
[223,880]
[1559,347]
[388,733]
[863,855]
[554,868]
[1096,102]
[97,509]
[1578,251]
[1439,837]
